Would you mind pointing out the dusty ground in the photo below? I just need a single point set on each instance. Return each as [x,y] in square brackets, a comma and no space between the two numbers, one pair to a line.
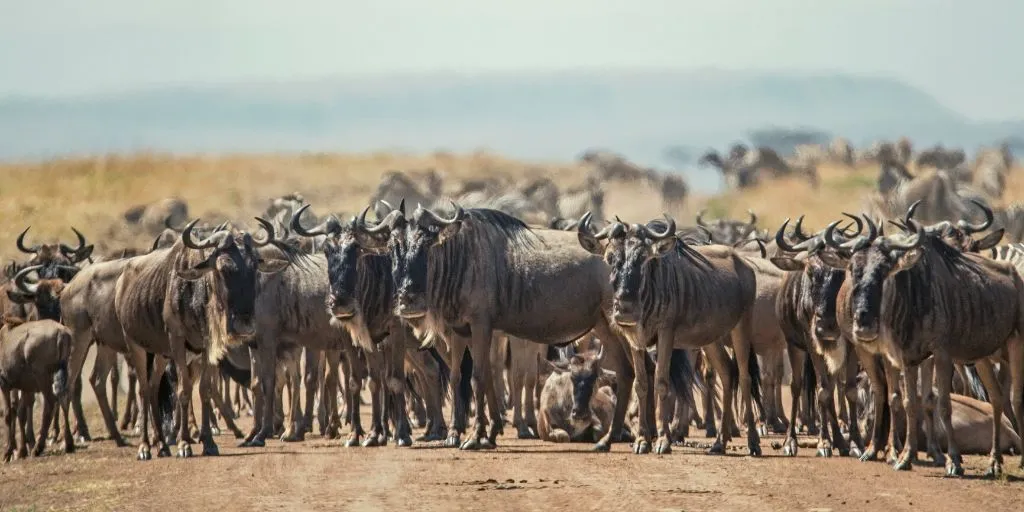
[520,475]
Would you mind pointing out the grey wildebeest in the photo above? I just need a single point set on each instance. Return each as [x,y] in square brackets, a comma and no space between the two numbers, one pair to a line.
[167,307]
[360,298]
[482,271]
[909,298]
[671,295]
[806,309]
[577,402]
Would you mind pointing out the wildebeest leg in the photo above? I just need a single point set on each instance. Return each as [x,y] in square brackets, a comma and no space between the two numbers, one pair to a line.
[81,426]
[432,388]
[131,406]
[849,380]
[312,376]
[329,395]
[225,387]
[23,413]
[80,344]
[394,352]
[223,405]
[355,371]
[775,418]
[460,392]
[10,422]
[376,435]
[718,358]
[295,430]
[911,403]
[1015,363]
[48,409]
[618,360]
[645,401]
[264,365]
[106,361]
[943,413]
[136,357]
[825,405]
[185,374]
[710,398]
[797,359]
[741,343]
[995,398]
[494,388]
[485,396]
[498,351]
[206,393]
[897,408]
[927,375]
[666,341]
[515,377]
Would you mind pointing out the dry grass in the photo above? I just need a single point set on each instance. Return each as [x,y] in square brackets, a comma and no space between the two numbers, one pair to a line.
[91,193]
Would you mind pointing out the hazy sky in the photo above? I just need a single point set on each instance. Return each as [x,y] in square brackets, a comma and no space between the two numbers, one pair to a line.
[963,52]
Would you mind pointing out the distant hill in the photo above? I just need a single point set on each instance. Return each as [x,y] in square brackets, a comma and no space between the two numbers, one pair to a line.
[552,115]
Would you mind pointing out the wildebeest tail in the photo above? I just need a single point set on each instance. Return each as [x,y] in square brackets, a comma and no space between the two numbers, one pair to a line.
[242,376]
[465,385]
[974,383]
[681,377]
[810,386]
[444,373]
[754,368]
[167,399]
[553,353]
[60,380]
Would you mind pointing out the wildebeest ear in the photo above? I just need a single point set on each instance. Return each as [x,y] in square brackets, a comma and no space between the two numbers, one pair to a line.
[448,232]
[19,297]
[833,260]
[272,266]
[907,260]
[787,263]
[196,272]
[990,240]
[663,247]
[606,378]
[591,244]
[549,366]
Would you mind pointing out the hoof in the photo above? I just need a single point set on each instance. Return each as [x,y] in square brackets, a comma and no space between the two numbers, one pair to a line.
[403,441]
[371,441]
[525,433]
[294,438]
[332,434]
[954,470]
[755,450]
[601,448]
[69,448]
[430,437]
[855,452]
[824,452]
[679,442]
[904,464]
[762,429]
[938,460]
[253,443]
[995,470]
[869,455]
[210,450]
[36,452]
[777,427]
[487,444]
[144,453]
[641,447]
[663,446]
[471,444]
[790,448]
[352,442]
[83,440]
[452,441]
[164,451]
[717,449]
[711,432]
[184,450]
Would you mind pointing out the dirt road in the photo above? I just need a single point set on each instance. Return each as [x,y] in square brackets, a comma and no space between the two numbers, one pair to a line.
[519,475]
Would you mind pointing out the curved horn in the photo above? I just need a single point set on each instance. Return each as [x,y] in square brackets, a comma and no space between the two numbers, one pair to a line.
[81,243]
[830,236]
[186,238]
[700,218]
[19,280]
[798,231]
[221,227]
[913,242]
[910,212]
[858,221]
[325,228]
[753,217]
[863,241]
[971,228]
[460,214]
[670,230]
[269,228]
[711,237]
[381,226]
[21,243]
[385,203]
[780,239]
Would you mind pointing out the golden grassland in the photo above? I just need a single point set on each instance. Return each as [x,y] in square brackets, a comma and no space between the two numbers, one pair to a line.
[91,193]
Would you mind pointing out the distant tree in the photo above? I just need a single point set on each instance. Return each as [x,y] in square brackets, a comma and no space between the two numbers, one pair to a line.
[784,140]
[679,156]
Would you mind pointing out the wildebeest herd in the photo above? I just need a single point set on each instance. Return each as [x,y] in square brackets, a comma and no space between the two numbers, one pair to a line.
[590,333]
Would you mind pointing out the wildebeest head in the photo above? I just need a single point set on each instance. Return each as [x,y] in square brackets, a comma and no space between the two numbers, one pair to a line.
[44,293]
[426,230]
[873,259]
[961,234]
[585,373]
[55,259]
[820,281]
[729,231]
[233,260]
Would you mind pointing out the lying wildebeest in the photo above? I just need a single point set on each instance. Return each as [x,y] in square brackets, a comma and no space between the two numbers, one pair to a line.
[913,297]
[577,402]
[481,270]
[654,275]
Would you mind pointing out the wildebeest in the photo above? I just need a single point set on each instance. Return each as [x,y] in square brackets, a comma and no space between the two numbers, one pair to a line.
[33,359]
[940,158]
[151,218]
[577,402]
[672,295]
[481,270]
[395,186]
[730,232]
[910,297]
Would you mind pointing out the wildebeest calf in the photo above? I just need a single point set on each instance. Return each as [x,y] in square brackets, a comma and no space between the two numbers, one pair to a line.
[571,409]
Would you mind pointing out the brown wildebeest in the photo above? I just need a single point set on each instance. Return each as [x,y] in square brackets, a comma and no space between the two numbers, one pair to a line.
[653,274]
[577,402]
[152,218]
[497,274]
[33,359]
[898,305]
